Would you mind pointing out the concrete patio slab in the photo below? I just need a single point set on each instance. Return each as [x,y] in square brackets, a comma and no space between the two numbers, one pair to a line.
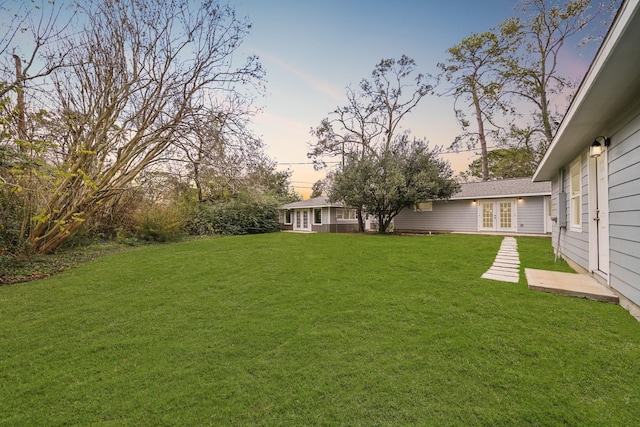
[569,284]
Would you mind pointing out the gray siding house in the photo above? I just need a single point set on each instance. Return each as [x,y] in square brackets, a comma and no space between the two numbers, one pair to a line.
[503,206]
[594,165]
[318,215]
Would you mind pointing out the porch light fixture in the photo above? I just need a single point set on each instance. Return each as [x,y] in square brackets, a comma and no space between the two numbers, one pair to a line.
[597,146]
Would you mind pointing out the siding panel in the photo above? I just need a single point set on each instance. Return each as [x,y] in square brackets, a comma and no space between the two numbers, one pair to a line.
[531,215]
[575,244]
[462,216]
[624,209]
[446,216]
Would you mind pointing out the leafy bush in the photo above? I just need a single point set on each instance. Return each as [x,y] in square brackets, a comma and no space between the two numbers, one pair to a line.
[159,224]
[11,216]
[234,216]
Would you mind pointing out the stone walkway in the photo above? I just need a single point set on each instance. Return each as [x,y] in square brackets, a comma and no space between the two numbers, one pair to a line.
[506,267]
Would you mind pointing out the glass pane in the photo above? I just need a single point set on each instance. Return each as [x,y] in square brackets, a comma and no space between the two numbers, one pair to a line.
[575,210]
[575,179]
[487,215]
[505,214]
[305,219]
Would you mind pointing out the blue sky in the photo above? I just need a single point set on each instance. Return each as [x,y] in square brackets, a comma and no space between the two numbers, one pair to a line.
[313,50]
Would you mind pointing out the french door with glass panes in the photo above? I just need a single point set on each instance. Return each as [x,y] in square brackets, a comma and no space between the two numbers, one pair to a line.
[497,215]
[302,220]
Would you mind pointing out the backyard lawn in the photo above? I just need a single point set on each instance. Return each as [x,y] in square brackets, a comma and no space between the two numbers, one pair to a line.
[314,329]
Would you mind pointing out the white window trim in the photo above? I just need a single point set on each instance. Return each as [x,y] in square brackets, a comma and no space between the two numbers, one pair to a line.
[290,212]
[423,207]
[572,214]
[346,211]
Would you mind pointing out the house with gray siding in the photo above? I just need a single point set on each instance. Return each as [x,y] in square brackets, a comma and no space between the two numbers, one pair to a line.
[501,206]
[318,215]
[594,166]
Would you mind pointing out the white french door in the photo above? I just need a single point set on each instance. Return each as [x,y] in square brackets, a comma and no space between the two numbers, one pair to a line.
[302,220]
[497,215]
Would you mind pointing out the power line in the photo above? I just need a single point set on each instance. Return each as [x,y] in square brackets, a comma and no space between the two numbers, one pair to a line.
[441,152]
[301,163]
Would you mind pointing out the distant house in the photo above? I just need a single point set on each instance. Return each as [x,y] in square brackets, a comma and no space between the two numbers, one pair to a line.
[318,215]
[502,206]
[594,165]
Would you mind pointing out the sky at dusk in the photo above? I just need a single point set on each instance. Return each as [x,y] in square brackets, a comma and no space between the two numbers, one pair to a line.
[313,50]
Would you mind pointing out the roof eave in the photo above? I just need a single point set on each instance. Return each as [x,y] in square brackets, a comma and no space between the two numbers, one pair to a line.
[503,196]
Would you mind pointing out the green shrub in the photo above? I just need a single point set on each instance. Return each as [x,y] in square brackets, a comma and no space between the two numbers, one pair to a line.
[235,216]
[159,224]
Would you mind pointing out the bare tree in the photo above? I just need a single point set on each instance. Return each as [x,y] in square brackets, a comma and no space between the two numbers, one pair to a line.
[28,39]
[138,67]
[217,145]
[372,118]
[371,121]
[546,27]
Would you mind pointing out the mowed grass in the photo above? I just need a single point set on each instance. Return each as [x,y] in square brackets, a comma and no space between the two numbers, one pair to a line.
[316,329]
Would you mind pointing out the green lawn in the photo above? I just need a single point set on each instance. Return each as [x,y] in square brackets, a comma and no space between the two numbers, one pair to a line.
[316,329]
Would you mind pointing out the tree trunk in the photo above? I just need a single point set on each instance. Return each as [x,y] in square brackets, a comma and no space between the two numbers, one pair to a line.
[481,137]
[22,126]
[360,220]
[382,224]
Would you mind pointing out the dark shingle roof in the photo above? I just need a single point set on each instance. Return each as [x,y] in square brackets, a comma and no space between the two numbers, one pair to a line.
[502,188]
[316,202]
[516,187]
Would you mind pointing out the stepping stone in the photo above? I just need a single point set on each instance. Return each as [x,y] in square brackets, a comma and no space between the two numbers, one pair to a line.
[501,277]
[506,266]
[505,269]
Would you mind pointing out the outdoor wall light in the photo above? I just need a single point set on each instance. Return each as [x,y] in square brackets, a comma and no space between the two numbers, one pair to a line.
[597,146]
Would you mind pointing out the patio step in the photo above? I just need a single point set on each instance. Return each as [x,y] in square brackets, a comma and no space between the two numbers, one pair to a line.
[569,284]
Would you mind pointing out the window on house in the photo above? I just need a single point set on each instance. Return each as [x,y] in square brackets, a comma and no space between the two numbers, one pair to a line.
[346,214]
[287,217]
[575,190]
[317,216]
[424,207]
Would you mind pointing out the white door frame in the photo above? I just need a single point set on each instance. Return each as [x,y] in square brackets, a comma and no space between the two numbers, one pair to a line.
[548,222]
[299,220]
[490,225]
[494,204]
[599,215]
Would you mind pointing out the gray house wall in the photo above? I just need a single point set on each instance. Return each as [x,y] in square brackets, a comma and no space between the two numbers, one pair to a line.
[623,157]
[462,216]
[531,215]
[573,244]
[624,209]
[329,222]
[446,216]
